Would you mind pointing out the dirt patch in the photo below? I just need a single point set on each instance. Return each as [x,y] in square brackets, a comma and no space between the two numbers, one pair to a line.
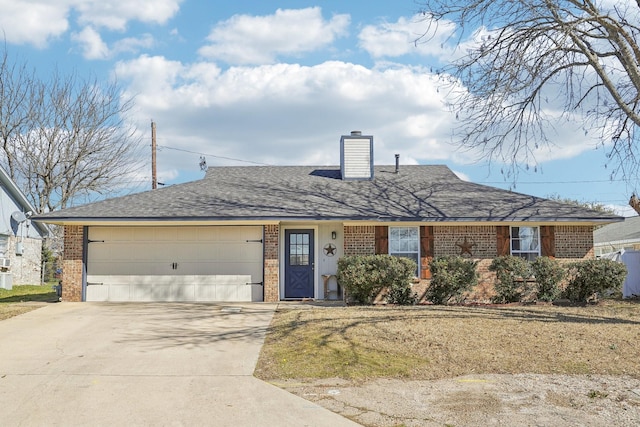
[490,399]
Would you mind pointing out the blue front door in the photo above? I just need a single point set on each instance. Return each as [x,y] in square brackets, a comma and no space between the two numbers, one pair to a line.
[298,273]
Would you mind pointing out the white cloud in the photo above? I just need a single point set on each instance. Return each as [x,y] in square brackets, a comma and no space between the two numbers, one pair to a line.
[463,176]
[417,35]
[32,22]
[154,79]
[133,44]
[245,39]
[38,22]
[93,47]
[294,114]
[91,44]
[116,14]
[287,114]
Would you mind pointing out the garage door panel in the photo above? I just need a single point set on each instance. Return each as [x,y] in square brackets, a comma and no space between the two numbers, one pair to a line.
[116,234]
[191,252]
[188,234]
[163,292]
[97,292]
[121,292]
[144,234]
[224,268]
[212,264]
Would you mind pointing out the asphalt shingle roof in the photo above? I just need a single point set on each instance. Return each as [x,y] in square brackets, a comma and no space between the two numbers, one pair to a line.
[416,193]
[627,230]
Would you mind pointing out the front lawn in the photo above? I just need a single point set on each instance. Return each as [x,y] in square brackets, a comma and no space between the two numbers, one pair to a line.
[433,342]
[15,301]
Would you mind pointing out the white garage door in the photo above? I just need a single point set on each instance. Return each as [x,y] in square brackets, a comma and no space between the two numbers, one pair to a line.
[174,264]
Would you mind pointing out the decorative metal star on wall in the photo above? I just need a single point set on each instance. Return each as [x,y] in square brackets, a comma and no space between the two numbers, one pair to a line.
[329,249]
[465,247]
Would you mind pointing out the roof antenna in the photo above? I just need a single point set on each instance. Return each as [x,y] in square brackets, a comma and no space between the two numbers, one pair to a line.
[397,163]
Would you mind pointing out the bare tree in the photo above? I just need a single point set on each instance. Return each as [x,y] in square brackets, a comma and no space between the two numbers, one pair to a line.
[15,105]
[64,138]
[524,64]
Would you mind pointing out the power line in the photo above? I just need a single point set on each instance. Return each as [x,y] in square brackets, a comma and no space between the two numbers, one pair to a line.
[213,155]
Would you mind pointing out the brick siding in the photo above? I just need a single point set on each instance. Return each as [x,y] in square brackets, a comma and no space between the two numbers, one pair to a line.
[271,264]
[482,239]
[72,263]
[572,243]
[359,240]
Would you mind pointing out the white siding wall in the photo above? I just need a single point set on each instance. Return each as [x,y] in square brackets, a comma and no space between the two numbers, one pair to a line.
[356,159]
[328,264]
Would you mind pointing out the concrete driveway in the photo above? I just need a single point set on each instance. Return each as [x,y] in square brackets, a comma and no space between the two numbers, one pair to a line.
[144,364]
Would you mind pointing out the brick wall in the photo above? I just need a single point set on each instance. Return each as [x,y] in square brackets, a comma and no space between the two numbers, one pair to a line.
[359,240]
[574,242]
[72,263]
[271,264]
[571,242]
[482,238]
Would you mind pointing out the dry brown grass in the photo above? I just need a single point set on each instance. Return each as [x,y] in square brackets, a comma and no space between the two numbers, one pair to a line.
[7,311]
[436,342]
[17,300]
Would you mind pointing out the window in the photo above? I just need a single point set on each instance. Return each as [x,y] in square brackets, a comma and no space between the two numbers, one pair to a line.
[4,240]
[299,249]
[525,242]
[405,242]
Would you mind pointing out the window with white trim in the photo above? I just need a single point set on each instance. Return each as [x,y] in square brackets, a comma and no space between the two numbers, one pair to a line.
[405,242]
[525,242]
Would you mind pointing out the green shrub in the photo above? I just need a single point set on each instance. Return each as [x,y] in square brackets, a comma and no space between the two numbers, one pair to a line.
[511,275]
[451,277]
[399,290]
[364,276]
[548,273]
[589,277]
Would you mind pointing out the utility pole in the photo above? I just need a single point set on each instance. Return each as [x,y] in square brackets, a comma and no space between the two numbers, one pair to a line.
[154,175]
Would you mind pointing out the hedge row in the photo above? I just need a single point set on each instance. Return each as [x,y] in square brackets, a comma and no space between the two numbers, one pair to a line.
[366,277]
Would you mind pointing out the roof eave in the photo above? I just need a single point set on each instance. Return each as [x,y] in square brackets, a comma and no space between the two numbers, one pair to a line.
[65,220]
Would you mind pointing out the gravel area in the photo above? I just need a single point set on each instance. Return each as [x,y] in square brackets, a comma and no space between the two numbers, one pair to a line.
[481,400]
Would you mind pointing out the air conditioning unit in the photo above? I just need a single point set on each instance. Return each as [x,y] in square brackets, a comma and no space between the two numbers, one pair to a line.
[6,281]
[5,263]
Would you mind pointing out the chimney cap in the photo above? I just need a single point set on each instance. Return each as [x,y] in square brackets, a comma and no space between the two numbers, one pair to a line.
[356,133]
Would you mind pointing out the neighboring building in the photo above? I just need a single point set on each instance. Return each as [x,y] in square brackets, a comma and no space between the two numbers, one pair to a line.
[20,238]
[616,236]
[275,233]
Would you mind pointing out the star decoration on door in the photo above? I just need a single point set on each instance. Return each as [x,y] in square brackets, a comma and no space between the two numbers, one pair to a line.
[329,249]
[465,247]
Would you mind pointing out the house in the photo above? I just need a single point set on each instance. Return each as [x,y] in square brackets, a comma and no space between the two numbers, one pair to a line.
[20,237]
[271,233]
[620,241]
[617,236]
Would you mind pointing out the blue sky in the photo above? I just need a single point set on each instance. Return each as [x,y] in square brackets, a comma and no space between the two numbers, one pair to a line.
[279,82]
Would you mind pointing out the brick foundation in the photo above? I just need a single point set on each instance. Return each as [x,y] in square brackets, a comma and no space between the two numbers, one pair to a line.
[72,263]
[271,263]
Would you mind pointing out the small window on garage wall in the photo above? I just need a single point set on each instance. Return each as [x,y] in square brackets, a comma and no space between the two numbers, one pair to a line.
[525,242]
[4,242]
[405,242]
